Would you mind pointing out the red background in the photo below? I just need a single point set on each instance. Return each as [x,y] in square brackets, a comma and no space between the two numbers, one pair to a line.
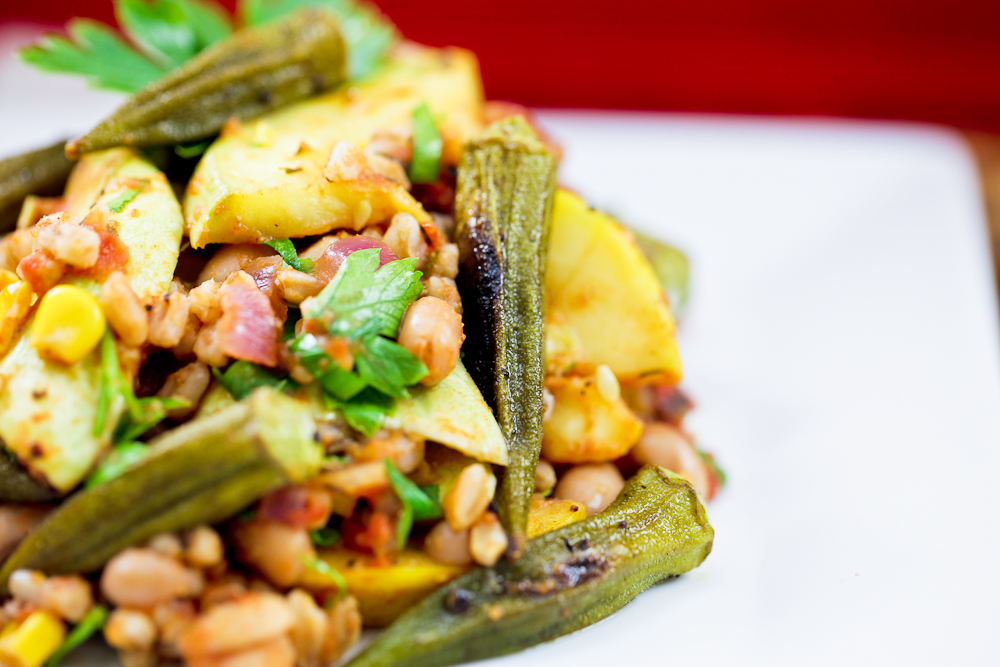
[913,59]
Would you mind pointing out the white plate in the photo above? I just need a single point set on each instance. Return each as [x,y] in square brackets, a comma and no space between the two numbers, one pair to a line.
[842,346]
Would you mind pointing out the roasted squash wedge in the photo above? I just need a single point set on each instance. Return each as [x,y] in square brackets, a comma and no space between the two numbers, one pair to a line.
[48,410]
[265,179]
[605,304]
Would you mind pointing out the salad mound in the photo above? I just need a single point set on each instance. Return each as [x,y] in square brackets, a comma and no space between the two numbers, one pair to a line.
[306,338]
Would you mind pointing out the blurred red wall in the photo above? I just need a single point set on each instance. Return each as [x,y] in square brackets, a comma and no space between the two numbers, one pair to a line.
[914,59]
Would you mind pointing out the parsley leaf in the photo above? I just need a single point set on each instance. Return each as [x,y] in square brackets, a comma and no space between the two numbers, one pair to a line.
[159,29]
[325,569]
[123,199]
[416,504]
[425,167]
[388,366]
[242,377]
[325,537]
[120,459]
[365,412]
[95,51]
[364,299]
[290,256]
[368,34]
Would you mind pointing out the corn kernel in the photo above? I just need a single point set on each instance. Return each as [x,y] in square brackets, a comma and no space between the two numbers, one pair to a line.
[9,628]
[34,641]
[68,326]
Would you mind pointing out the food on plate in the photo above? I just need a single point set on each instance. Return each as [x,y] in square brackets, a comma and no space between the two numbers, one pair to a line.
[306,338]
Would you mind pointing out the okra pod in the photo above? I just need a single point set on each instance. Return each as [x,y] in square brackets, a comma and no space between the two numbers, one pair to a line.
[39,172]
[202,472]
[243,76]
[567,579]
[17,486]
[503,208]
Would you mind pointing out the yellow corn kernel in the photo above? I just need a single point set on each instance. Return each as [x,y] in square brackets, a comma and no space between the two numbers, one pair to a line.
[7,278]
[68,326]
[33,642]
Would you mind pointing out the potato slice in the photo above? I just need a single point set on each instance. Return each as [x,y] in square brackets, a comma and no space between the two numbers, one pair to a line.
[605,304]
[384,591]
[548,514]
[584,427]
[265,179]
[47,410]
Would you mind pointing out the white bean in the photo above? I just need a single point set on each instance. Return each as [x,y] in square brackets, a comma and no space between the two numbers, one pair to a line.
[594,485]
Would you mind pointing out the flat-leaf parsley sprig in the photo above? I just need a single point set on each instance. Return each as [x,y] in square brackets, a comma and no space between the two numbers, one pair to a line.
[363,306]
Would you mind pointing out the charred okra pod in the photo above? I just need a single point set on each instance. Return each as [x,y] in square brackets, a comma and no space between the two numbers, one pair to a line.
[202,472]
[39,172]
[566,580]
[251,72]
[503,208]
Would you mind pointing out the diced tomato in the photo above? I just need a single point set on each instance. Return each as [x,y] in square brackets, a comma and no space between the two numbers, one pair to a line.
[369,532]
[40,270]
[114,256]
[248,329]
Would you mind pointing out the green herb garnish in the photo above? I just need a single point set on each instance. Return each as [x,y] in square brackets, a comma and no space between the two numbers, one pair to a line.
[120,459]
[93,621]
[290,255]
[328,571]
[122,200]
[364,304]
[417,505]
[141,414]
[426,164]
[164,34]
[242,377]
[367,33]
[709,459]
[325,537]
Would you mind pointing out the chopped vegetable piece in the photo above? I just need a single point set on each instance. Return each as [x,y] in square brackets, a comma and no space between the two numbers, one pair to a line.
[255,70]
[204,471]
[503,211]
[290,255]
[242,377]
[328,572]
[368,34]
[363,299]
[384,590]
[121,201]
[656,529]
[325,537]
[34,640]
[88,625]
[427,145]
[416,504]
[120,459]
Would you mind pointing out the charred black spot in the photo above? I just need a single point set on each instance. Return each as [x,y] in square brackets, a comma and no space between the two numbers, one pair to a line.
[578,570]
[569,545]
[264,96]
[39,394]
[583,544]
[622,525]
[458,601]
[35,450]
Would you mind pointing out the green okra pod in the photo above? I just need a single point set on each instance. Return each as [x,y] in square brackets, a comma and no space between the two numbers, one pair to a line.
[202,472]
[503,208]
[567,579]
[17,486]
[39,172]
[252,71]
